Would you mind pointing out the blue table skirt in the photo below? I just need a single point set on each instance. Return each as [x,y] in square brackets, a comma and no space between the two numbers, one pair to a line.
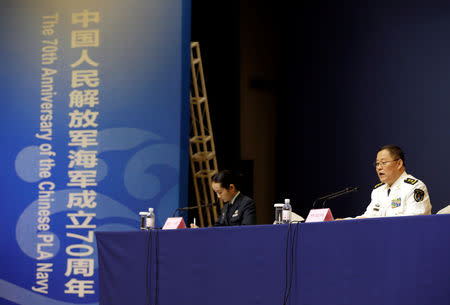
[401,260]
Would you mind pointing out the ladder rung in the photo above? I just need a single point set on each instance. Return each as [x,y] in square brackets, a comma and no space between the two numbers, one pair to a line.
[205,173]
[203,156]
[200,139]
[195,100]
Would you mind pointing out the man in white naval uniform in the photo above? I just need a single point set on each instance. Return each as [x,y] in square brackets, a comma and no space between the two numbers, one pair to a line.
[398,193]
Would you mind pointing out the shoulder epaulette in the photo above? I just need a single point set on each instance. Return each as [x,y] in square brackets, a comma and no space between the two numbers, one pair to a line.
[378,185]
[410,181]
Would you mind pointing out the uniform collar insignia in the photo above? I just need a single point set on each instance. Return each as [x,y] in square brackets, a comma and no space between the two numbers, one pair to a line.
[378,185]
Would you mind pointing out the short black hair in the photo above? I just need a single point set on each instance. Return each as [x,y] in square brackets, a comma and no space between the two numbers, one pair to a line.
[225,178]
[395,152]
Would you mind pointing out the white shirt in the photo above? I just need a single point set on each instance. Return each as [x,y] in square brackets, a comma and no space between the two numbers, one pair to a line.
[234,198]
[407,196]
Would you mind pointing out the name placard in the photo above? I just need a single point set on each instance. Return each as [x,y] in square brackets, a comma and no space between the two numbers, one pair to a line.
[174,223]
[317,215]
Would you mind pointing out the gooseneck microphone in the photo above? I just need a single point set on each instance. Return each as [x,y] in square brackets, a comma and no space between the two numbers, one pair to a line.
[193,207]
[335,195]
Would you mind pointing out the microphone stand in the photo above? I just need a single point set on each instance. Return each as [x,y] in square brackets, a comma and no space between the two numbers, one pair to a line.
[178,210]
[335,195]
[191,208]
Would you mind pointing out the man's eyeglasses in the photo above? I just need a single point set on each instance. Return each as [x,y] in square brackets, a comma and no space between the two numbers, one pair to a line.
[383,163]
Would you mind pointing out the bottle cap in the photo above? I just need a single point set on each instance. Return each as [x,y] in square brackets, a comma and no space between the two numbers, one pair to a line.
[287,200]
[150,210]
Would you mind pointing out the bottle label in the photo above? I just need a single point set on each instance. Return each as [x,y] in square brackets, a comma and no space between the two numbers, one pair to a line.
[286,215]
[150,222]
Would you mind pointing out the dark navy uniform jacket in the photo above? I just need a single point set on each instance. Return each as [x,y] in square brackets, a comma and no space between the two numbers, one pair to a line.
[241,212]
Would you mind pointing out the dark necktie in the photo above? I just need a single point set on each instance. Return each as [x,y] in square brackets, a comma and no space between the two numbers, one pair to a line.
[389,190]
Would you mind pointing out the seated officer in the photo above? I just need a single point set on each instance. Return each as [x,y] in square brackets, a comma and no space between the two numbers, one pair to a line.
[398,193]
[238,209]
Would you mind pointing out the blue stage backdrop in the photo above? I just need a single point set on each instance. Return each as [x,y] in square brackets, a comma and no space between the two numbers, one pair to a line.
[95,128]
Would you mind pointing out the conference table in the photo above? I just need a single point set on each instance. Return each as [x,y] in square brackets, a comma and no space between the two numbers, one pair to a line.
[379,261]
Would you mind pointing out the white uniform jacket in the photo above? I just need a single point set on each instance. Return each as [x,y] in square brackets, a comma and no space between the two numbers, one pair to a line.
[406,196]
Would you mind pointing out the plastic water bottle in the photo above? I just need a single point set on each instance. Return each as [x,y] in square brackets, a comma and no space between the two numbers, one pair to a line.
[150,219]
[287,211]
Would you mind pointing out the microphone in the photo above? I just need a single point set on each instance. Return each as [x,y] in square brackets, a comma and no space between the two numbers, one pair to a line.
[335,195]
[193,207]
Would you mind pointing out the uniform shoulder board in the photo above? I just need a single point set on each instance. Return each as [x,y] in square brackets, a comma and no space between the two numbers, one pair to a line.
[378,185]
[410,181]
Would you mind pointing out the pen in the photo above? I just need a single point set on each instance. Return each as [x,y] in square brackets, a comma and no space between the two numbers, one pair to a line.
[194,221]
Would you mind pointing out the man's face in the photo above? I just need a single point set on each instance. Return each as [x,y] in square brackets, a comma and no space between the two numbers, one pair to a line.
[388,168]
[222,193]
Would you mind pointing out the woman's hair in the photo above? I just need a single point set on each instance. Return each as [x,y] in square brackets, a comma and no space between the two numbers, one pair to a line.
[225,178]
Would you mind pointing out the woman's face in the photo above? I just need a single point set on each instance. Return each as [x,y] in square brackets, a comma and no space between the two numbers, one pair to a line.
[222,193]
